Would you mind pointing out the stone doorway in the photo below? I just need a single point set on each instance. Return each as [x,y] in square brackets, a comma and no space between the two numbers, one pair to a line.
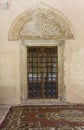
[58,89]
[41,26]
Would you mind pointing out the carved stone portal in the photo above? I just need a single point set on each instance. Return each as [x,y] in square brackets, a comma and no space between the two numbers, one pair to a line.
[42,22]
[41,26]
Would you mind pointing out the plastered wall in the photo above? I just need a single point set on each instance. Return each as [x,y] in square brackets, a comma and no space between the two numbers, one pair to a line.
[10,81]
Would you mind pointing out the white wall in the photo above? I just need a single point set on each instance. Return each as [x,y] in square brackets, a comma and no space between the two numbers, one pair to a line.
[74,50]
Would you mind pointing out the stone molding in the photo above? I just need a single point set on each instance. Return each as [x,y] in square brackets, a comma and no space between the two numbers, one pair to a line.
[23,71]
[41,22]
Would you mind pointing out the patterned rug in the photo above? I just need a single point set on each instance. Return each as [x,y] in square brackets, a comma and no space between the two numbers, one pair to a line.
[60,117]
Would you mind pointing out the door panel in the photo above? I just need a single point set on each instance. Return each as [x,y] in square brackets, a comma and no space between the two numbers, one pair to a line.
[42,72]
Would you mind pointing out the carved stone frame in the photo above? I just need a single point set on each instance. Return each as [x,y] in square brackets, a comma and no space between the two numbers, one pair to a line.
[17,32]
[23,65]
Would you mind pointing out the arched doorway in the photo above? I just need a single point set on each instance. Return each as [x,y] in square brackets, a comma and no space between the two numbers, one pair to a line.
[42,31]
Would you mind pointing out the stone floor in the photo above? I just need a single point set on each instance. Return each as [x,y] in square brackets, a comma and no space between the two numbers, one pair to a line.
[3,112]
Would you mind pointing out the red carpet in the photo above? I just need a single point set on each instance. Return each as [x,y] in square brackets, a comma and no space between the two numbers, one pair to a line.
[60,117]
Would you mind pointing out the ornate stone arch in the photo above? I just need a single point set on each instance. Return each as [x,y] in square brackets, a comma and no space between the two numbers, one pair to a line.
[41,22]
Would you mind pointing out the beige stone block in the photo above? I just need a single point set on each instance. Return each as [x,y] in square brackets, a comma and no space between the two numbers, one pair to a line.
[9,95]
